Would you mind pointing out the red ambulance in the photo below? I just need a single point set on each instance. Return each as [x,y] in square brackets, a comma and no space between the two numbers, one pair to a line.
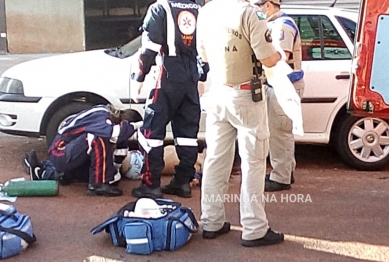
[369,85]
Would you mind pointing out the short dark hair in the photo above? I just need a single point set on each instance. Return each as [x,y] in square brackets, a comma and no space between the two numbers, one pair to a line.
[262,2]
[130,115]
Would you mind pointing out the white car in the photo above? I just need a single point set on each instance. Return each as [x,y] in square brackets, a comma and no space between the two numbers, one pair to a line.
[36,96]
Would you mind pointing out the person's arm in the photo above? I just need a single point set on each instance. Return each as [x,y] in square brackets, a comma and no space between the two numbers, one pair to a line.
[153,37]
[100,124]
[286,34]
[120,135]
[287,53]
[200,30]
[123,131]
[255,30]
[271,60]
[94,121]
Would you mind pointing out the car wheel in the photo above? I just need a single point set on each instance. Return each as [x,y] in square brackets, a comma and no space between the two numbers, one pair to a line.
[61,116]
[363,143]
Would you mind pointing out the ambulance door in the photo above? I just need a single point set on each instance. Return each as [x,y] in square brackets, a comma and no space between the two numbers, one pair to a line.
[369,85]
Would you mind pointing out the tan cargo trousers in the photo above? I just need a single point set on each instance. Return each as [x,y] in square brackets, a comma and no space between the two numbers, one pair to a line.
[281,142]
[232,114]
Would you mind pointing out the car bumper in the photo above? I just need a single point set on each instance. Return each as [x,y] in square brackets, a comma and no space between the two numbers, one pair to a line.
[22,118]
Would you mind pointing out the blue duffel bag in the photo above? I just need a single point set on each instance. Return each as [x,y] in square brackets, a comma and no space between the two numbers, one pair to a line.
[144,235]
[16,232]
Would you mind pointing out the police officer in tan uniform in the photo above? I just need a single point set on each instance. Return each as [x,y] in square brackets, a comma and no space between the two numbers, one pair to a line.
[228,42]
[281,142]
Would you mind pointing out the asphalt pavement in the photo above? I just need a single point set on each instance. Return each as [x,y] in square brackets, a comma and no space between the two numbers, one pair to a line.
[332,213]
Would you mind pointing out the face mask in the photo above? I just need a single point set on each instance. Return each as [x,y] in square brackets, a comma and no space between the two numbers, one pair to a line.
[264,9]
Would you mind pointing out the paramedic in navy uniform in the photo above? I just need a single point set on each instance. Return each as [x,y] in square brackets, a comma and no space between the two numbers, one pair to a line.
[85,142]
[169,29]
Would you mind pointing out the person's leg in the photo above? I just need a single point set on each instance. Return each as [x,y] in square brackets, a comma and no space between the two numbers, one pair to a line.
[81,173]
[101,169]
[220,138]
[42,170]
[69,157]
[33,166]
[151,139]
[281,146]
[250,119]
[185,126]
[103,176]
[72,157]
[299,86]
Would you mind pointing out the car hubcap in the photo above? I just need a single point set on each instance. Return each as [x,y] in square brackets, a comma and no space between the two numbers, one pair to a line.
[368,139]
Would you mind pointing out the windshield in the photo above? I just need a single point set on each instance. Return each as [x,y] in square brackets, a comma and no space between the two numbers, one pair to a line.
[348,26]
[126,50]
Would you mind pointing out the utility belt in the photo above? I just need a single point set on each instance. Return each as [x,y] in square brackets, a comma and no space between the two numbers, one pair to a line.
[142,236]
[245,86]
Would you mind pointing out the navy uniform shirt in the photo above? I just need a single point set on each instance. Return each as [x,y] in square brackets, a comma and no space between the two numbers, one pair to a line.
[169,29]
[96,121]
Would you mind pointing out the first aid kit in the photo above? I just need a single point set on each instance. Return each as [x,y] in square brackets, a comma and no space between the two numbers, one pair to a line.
[16,232]
[148,225]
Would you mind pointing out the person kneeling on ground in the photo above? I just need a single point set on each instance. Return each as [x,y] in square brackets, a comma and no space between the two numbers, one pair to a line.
[85,145]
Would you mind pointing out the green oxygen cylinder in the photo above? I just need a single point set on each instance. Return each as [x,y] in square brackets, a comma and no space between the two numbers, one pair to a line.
[30,188]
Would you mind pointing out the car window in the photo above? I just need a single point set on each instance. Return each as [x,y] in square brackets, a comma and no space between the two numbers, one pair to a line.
[319,39]
[349,26]
[113,22]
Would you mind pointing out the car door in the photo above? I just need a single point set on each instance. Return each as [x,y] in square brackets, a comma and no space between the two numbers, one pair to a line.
[369,88]
[327,52]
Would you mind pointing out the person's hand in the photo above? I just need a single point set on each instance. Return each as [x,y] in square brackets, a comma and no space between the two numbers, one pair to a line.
[201,88]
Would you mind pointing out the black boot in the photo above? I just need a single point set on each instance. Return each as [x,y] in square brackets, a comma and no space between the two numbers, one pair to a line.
[271,238]
[267,178]
[146,191]
[104,190]
[178,189]
[271,186]
[214,234]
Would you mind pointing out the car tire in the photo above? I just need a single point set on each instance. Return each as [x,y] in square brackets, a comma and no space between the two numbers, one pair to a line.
[60,115]
[363,143]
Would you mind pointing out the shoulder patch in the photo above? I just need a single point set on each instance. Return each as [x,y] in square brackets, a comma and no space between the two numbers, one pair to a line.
[282,35]
[268,36]
[261,15]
